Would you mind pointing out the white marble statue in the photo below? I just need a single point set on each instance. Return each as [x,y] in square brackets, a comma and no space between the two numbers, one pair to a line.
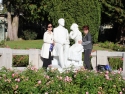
[75,51]
[61,48]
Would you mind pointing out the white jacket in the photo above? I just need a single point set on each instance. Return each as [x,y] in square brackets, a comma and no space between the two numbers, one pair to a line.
[47,39]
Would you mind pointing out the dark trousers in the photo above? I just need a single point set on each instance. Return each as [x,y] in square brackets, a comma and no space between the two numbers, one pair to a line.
[87,54]
[47,62]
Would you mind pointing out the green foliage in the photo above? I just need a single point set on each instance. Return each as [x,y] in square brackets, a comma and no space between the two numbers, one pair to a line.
[29,35]
[116,63]
[115,10]
[2,43]
[31,10]
[7,39]
[34,81]
[82,12]
[111,45]
[25,44]
[20,60]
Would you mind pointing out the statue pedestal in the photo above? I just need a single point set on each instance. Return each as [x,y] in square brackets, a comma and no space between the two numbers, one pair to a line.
[70,65]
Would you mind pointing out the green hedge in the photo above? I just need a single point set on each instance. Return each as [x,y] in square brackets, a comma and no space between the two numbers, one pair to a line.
[83,12]
[20,61]
[112,46]
[23,61]
[116,63]
[33,81]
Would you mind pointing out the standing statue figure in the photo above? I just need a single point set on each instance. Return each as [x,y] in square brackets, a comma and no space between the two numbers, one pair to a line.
[75,51]
[61,39]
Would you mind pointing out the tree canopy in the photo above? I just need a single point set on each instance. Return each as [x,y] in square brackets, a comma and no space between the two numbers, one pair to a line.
[115,10]
[82,12]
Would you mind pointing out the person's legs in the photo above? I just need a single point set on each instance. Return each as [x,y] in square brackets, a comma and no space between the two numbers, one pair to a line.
[89,61]
[87,58]
[50,59]
[47,62]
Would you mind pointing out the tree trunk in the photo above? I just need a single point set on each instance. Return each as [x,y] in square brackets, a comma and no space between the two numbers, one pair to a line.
[15,25]
[10,36]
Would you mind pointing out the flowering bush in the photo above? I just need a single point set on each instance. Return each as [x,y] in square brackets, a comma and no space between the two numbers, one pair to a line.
[20,60]
[36,81]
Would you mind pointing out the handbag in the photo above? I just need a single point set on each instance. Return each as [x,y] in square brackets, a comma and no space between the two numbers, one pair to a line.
[103,68]
[51,47]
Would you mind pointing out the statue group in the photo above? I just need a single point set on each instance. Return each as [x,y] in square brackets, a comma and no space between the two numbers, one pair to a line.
[64,55]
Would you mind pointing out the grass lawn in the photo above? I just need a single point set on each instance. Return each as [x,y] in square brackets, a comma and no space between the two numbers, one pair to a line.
[96,47]
[24,44]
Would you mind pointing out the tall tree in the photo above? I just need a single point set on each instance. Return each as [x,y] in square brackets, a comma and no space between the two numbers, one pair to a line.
[82,12]
[114,11]
[31,9]
[13,6]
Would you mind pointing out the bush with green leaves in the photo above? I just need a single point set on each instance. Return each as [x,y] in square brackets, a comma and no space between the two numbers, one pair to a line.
[116,63]
[2,43]
[82,12]
[29,35]
[112,46]
[20,60]
[37,81]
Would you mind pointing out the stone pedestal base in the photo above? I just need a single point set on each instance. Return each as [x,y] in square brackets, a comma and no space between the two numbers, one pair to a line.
[70,65]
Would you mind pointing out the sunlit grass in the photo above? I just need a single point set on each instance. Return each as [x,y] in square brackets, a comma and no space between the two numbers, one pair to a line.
[26,44]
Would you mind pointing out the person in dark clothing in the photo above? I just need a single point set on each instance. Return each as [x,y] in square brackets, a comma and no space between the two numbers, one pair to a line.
[87,44]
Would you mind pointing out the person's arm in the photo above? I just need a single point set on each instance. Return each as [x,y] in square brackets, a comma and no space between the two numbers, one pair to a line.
[88,41]
[46,39]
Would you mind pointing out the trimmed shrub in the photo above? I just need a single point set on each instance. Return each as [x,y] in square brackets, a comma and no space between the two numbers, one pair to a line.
[29,35]
[20,60]
[116,63]
[82,12]
[112,46]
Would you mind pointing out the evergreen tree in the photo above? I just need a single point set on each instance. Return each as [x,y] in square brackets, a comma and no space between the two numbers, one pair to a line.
[114,11]
[82,12]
